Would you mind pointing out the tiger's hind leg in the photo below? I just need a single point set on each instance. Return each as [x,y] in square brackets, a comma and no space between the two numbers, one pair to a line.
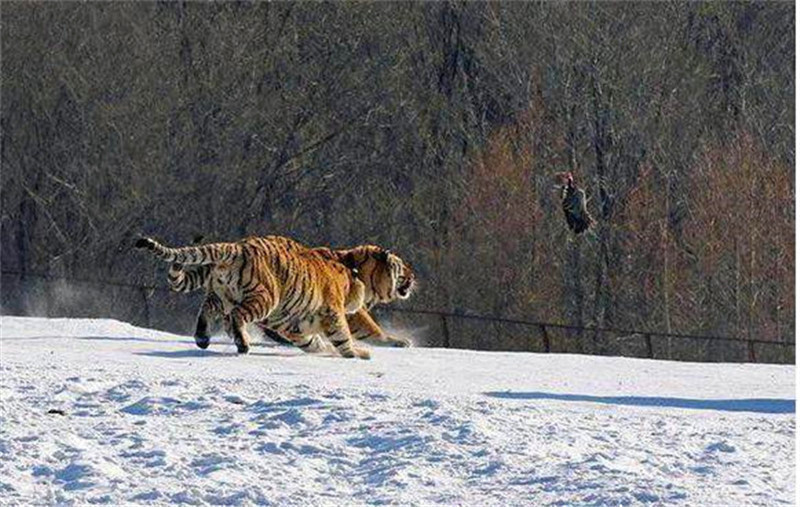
[336,330]
[308,343]
[255,307]
[363,327]
[209,314]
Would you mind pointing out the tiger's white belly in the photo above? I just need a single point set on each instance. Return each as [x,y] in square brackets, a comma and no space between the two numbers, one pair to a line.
[310,325]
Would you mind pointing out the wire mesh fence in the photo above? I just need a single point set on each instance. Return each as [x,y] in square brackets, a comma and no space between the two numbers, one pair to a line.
[41,294]
[458,330]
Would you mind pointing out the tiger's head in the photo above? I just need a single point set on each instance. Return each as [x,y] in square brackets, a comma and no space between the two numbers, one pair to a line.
[386,276]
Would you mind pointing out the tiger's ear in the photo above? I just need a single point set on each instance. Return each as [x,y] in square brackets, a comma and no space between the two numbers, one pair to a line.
[348,258]
[382,256]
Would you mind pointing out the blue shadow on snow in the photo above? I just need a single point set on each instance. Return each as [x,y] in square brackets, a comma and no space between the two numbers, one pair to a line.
[761,405]
[195,352]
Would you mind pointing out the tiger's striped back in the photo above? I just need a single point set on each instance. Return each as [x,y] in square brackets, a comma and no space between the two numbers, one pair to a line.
[280,284]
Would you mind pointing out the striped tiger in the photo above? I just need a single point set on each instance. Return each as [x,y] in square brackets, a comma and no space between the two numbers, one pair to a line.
[384,275]
[285,286]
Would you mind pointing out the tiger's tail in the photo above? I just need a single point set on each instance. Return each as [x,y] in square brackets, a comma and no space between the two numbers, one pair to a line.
[214,253]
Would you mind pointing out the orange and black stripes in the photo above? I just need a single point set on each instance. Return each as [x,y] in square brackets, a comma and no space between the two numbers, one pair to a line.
[188,279]
[270,280]
[287,287]
[215,253]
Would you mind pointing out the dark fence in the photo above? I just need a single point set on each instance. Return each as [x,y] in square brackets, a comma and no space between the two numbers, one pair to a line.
[563,338]
[155,306]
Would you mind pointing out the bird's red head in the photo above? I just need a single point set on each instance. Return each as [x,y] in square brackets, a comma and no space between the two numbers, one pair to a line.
[564,179]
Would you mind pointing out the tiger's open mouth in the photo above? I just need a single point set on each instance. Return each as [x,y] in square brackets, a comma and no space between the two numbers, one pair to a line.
[404,288]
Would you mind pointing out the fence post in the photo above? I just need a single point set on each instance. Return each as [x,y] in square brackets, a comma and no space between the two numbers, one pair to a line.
[445,331]
[545,338]
[751,351]
[649,342]
[146,307]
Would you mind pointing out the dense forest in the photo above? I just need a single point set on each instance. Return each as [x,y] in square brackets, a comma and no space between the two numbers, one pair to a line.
[435,129]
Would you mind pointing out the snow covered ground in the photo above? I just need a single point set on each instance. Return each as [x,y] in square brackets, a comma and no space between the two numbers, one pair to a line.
[149,418]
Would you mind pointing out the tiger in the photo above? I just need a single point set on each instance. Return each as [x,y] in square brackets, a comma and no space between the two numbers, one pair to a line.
[376,268]
[285,286]
[386,277]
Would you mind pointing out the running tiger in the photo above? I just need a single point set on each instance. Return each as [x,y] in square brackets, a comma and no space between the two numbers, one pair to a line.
[284,286]
[370,264]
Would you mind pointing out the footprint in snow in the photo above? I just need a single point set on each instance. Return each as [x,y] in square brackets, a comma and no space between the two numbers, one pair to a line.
[161,405]
[122,392]
[236,400]
[720,447]
[227,429]
[210,463]
[264,406]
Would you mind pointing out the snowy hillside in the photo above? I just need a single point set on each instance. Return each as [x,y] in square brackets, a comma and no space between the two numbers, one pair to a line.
[147,417]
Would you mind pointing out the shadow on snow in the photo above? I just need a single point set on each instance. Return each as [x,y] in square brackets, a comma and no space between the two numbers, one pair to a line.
[761,405]
[196,353]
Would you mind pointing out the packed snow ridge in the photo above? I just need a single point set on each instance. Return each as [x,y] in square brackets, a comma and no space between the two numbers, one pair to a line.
[98,411]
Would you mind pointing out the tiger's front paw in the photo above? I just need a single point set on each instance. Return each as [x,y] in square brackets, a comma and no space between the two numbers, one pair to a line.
[242,348]
[362,353]
[400,342]
[202,341]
